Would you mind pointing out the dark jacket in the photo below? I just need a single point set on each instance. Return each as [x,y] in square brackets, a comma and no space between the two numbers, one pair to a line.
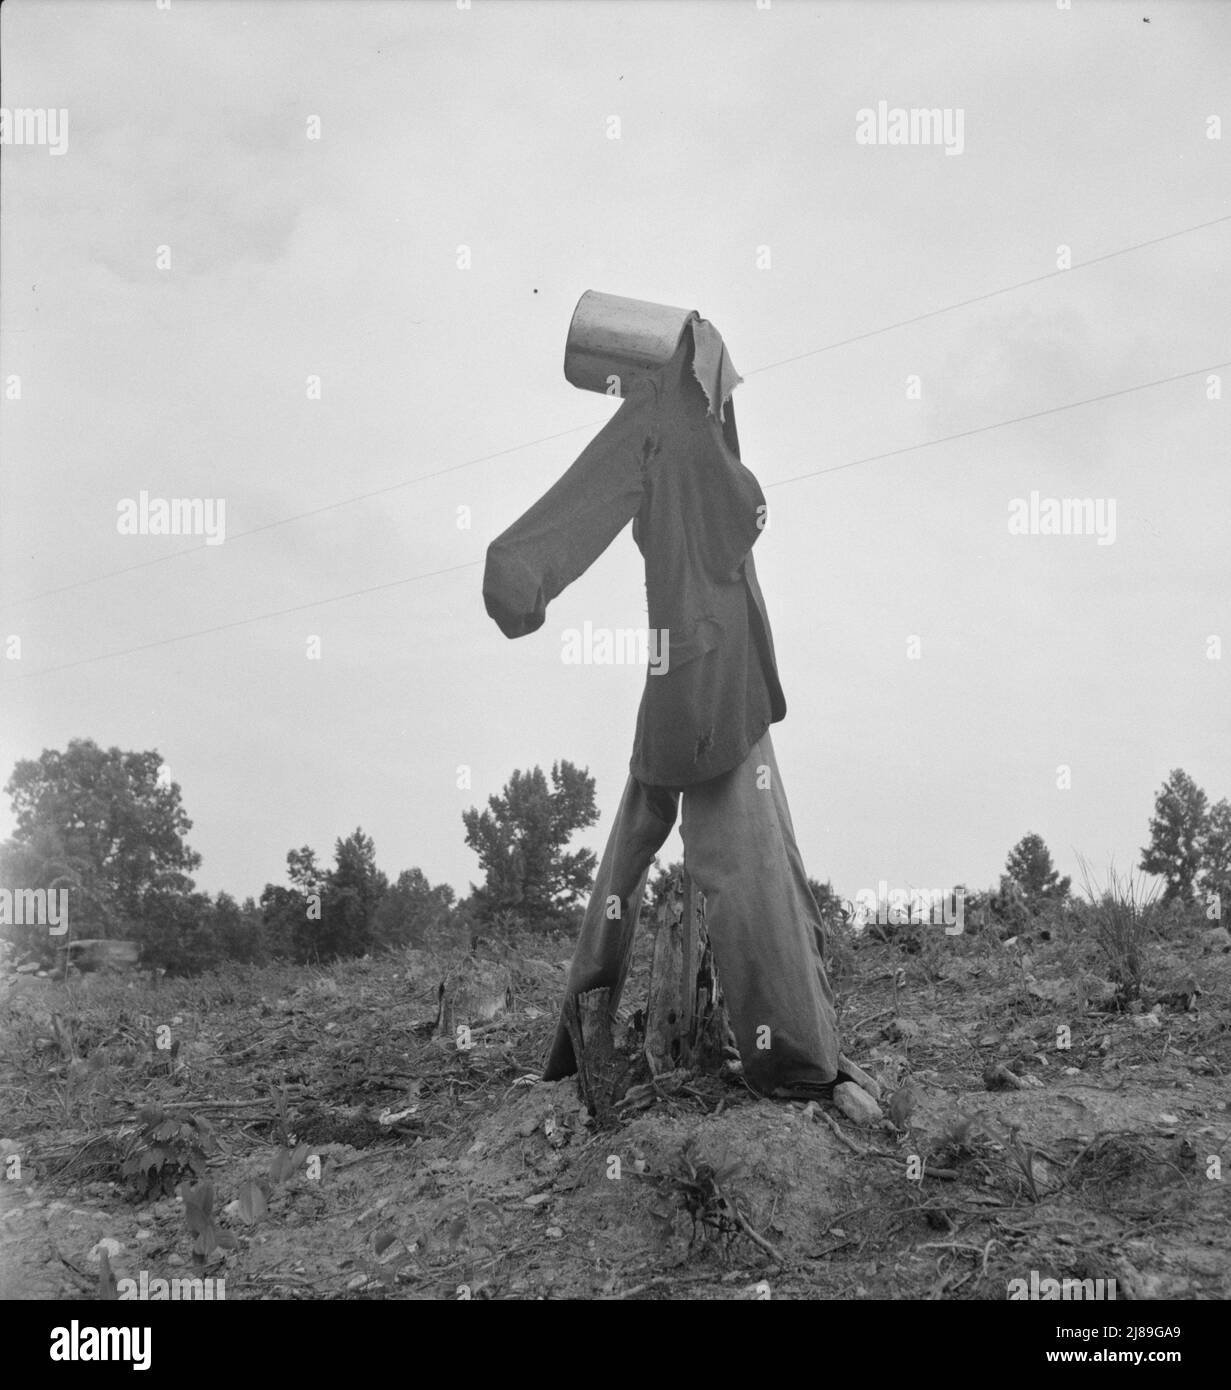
[666,460]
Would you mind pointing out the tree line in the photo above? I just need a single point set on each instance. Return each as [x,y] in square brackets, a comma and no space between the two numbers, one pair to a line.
[109,827]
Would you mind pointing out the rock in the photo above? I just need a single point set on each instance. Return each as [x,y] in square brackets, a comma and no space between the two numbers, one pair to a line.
[856,1104]
[998,1077]
[1218,939]
[861,1077]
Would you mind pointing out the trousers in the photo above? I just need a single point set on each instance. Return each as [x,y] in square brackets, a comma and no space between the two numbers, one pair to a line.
[763,922]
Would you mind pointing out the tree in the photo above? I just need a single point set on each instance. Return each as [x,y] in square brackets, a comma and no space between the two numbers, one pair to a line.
[324,915]
[829,904]
[412,912]
[1029,866]
[238,930]
[520,840]
[108,825]
[353,890]
[287,914]
[659,886]
[176,931]
[1215,847]
[1176,833]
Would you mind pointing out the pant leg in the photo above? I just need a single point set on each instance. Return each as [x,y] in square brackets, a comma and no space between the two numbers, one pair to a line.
[739,845]
[605,946]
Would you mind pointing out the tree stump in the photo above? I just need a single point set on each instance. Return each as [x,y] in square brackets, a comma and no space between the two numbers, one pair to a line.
[686,1020]
[588,1020]
[664,1013]
[473,992]
[686,1024]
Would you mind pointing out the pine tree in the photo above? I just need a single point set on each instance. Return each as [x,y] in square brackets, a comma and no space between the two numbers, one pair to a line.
[1030,867]
[1214,878]
[1176,833]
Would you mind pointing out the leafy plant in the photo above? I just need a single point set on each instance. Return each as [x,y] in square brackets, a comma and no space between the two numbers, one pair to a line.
[959,1129]
[165,1151]
[703,1190]
[198,1198]
[461,1214]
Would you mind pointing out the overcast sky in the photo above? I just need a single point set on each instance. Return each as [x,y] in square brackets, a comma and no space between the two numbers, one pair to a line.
[737,187]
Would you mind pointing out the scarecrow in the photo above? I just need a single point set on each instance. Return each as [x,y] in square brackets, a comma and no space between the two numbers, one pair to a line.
[669,461]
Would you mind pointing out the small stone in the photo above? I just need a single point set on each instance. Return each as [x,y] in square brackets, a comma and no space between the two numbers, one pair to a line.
[554,1233]
[856,1104]
[861,1077]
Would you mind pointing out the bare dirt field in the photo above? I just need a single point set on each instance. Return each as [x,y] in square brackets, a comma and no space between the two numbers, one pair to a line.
[330,1147]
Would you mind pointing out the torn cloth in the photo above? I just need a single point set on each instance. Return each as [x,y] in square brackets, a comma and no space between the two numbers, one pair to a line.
[763,922]
[669,460]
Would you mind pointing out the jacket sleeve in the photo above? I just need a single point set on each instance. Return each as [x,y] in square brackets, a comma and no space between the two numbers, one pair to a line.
[571,525]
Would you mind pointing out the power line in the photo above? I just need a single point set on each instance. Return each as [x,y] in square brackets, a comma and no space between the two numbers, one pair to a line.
[991,294]
[254,618]
[531,443]
[999,424]
[782,482]
[299,516]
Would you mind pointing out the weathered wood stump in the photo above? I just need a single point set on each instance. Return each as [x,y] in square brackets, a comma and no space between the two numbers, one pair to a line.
[686,1025]
[588,1020]
[686,1020]
[474,991]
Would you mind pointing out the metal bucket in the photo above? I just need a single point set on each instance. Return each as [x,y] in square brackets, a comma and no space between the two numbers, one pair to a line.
[613,340]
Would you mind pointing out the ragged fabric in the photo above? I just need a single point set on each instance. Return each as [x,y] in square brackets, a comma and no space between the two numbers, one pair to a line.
[712,366]
[668,460]
[763,922]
